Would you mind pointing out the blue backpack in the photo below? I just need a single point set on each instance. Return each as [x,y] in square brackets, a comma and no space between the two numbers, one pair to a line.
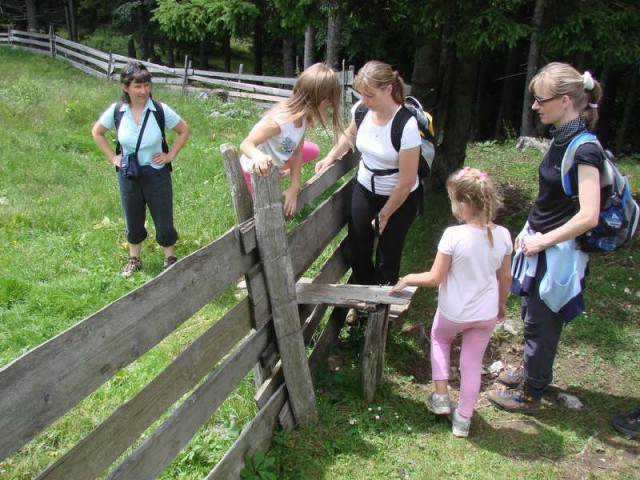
[618,210]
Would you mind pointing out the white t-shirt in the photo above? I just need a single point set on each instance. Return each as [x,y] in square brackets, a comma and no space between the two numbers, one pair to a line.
[470,291]
[281,146]
[374,143]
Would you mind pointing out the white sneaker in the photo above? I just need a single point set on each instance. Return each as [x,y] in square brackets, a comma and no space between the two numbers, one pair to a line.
[461,425]
[439,404]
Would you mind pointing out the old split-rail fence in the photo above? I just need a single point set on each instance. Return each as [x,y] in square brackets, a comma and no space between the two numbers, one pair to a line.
[268,332]
[109,65]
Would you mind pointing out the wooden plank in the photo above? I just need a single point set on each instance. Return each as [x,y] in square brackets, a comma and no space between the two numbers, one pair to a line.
[152,457]
[97,451]
[321,182]
[242,203]
[351,295]
[333,269]
[242,86]
[28,41]
[84,68]
[91,60]
[257,435]
[82,48]
[249,78]
[328,339]
[255,96]
[373,353]
[30,50]
[279,273]
[45,383]
[29,34]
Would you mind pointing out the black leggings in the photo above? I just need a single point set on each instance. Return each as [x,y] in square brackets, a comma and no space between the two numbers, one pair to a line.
[364,206]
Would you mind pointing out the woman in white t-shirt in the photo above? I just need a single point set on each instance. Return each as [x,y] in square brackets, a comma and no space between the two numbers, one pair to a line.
[278,138]
[473,270]
[386,195]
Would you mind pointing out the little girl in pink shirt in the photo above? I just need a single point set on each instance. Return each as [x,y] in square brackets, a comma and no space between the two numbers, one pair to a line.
[473,271]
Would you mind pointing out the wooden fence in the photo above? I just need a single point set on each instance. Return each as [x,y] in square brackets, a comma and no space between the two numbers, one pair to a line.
[268,329]
[109,65]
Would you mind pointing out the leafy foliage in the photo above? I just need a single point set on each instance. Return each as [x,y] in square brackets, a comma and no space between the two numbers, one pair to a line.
[260,467]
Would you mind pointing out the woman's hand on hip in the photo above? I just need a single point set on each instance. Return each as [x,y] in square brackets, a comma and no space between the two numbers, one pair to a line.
[161,158]
[116,159]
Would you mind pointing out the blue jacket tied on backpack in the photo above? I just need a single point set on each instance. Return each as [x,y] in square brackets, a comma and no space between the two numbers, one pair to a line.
[562,284]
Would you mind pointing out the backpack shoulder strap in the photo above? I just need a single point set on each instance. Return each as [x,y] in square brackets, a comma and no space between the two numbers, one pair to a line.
[117,118]
[158,113]
[359,114]
[569,176]
[397,127]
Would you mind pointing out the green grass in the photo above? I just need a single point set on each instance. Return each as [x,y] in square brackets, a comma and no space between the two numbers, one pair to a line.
[63,247]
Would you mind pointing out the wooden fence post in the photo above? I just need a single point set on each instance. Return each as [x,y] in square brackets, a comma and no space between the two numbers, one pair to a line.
[373,354]
[278,269]
[110,66]
[52,42]
[185,78]
[243,208]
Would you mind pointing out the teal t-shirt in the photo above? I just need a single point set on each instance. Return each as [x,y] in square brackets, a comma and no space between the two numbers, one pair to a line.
[128,132]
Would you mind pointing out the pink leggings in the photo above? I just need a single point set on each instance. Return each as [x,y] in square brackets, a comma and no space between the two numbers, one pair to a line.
[475,338]
[310,151]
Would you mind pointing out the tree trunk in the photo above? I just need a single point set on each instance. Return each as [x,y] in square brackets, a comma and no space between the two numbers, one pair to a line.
[287,56]
[424,80]
[503,120]
[203,54]
[131,47]
[170,57]
[32,24]
[143,21]
[480,92]
[626,113]
[451,152]
[527,128]
[606,122]
[257,40]
[333,39]
[309,45]
[444,88]
[70,15]
[226,51]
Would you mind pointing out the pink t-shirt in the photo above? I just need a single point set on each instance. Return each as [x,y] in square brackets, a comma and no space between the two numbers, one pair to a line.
[470,291]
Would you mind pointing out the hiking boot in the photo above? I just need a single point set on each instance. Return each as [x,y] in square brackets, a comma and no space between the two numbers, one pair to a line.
[513,377]
[459,425]
[628,424]
[133,265]
[518,399]
[439,404]
[170,260]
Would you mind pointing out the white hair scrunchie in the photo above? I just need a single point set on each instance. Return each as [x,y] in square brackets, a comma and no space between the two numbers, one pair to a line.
[587,81]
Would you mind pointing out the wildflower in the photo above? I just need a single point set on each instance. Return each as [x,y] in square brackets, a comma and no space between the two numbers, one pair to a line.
[377,417]
[379,408]
[370,409]
[352,421]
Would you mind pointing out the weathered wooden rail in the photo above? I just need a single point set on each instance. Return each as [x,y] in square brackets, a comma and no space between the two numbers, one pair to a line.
[268,328]
[108,66]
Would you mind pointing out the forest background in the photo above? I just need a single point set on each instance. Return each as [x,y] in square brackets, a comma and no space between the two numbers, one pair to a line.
[468,61]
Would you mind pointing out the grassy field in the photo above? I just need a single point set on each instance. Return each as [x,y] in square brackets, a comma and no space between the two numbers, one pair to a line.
[63,247]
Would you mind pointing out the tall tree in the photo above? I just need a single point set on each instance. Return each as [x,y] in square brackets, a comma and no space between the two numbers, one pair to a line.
[527,126]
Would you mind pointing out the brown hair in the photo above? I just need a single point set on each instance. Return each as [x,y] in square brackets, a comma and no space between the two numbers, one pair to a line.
[376,74]
[476,189]
[563,79]
[133,72]
[314,85]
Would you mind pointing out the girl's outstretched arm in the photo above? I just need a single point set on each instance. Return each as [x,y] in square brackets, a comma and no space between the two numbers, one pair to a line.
[345,143]
[432,278]
[249,146]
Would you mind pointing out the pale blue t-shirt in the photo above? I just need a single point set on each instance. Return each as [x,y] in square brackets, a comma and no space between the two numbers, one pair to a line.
[128,132]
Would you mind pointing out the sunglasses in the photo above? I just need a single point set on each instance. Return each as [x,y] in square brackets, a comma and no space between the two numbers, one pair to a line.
[132,69]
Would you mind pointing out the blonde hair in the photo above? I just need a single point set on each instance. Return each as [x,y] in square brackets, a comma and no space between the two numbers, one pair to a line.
[562,79]
[476,189]
[376,74]
[314,85]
